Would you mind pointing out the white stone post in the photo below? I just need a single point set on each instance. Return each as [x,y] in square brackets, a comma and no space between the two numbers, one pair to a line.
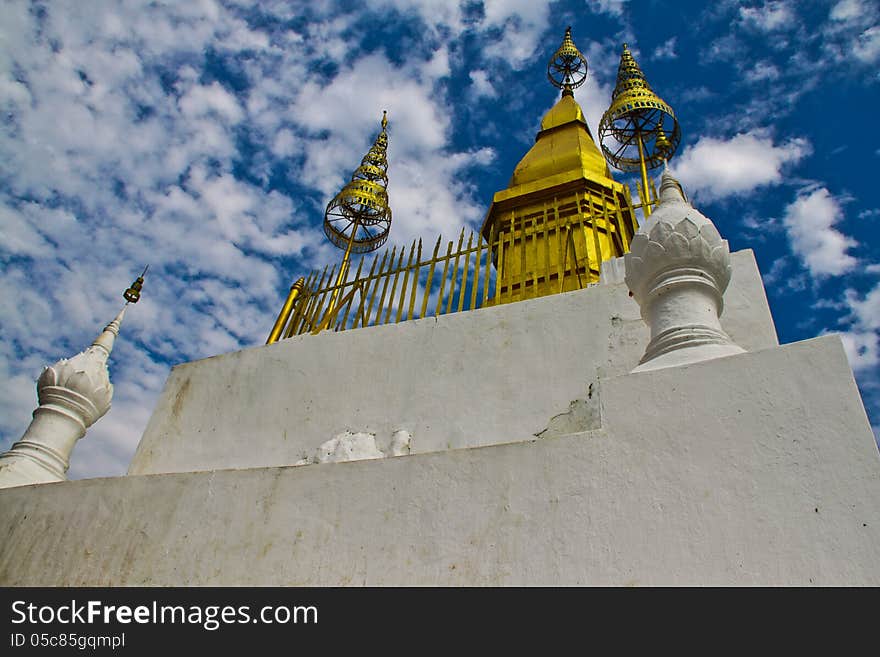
[73,393]
[677,269]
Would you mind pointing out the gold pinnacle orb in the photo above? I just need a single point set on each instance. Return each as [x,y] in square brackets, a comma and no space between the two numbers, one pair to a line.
[133,293]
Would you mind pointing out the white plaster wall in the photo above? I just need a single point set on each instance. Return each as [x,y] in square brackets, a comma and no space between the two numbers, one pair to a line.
[461,380]
[755,469]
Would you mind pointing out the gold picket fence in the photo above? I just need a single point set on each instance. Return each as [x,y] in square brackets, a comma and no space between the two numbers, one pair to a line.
[401,284]
[408,283]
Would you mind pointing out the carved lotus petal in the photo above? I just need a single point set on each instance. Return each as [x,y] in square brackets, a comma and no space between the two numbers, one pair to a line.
[720,266]
[653,250]
[687,228]
[661,231]
[82,383]
[699,249]
[710,234]
[633,265]
[677,245]
[49,377]
[720,257]
[639,242]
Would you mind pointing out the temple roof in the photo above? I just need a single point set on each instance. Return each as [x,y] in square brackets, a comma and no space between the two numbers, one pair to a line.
[564,146]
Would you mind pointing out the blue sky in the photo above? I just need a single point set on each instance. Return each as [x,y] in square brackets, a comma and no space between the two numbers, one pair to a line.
[206,137]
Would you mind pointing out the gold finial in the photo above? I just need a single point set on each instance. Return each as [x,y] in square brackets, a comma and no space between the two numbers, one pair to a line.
[133,293]
[358,218]
[638,120]
[567,69]
[662,145]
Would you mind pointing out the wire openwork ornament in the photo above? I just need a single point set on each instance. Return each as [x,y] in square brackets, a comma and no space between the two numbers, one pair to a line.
[637,119]
[567,69]
[358,218]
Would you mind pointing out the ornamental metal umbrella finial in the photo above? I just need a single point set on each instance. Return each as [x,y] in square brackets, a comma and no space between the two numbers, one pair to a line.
[358,218]
[567,69]
[639,131]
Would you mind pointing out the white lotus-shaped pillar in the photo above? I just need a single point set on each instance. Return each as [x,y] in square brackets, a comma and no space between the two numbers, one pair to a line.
[677,269]
[73,393]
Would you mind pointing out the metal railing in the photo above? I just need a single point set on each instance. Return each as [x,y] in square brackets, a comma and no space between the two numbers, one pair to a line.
[404,283]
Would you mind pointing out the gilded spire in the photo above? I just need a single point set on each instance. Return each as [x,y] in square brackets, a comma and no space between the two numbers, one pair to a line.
[358,218]
[638,120]
[567,69]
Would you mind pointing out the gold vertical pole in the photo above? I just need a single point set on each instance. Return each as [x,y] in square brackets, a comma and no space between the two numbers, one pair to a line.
[284,315]
[343,271]
[646,203]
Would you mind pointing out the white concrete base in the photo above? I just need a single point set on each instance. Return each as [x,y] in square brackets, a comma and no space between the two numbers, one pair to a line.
[758,468]
[460,380]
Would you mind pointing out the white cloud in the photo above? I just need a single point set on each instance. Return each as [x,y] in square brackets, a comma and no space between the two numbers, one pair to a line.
[481,85]
[867,46]
[809,222]
[851,10]
[862,340]
[611,7]
[523,23]
[762,71]
[862,349]
[769,17]
[665,50]
[213,101]
[714,168]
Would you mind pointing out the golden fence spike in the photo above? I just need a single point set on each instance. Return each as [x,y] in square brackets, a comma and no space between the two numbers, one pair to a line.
[359,313]
[355,284]
[455,272]
[464,272]
[379,275]
[429,283]
[443,280]
[476,284]
[312,300]
[415,286]
[402,304]
[309,315]
[397,270]
[317,316]
[385,285]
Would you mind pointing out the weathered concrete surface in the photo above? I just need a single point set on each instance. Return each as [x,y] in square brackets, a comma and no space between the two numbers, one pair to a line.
[758,468]
[461,380]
